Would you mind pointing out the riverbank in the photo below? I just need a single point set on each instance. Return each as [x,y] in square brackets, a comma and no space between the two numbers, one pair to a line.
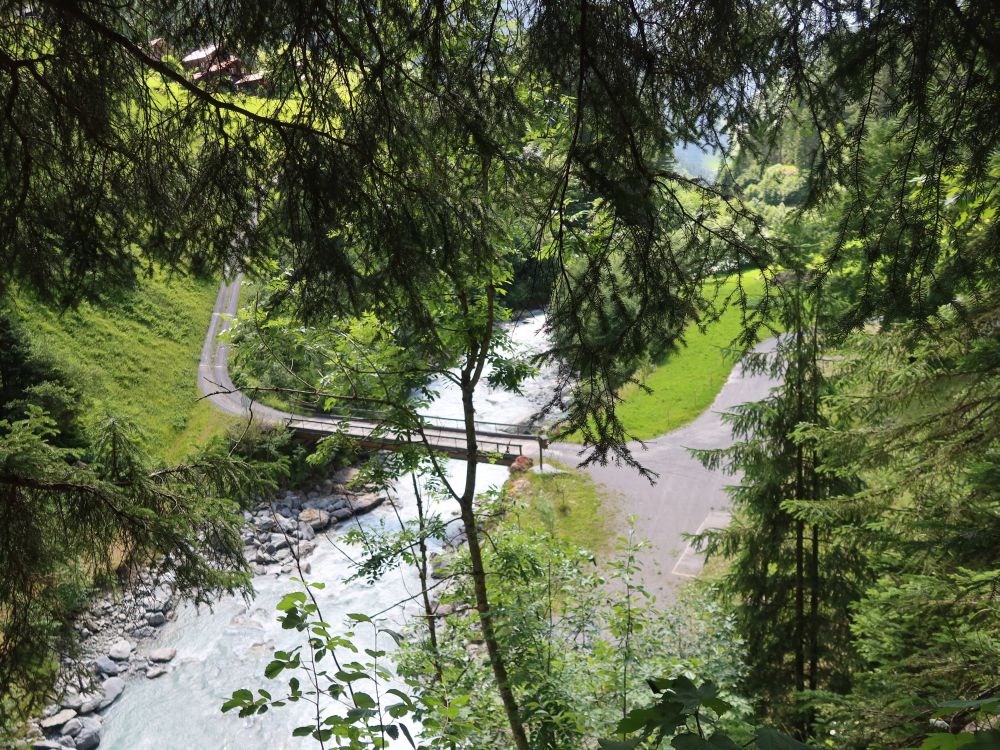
[118,634]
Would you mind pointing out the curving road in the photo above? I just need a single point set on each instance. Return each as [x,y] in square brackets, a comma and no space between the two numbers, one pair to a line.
[687,497]
[494,439]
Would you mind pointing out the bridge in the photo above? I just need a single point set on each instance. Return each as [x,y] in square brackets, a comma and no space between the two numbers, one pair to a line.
[496,441]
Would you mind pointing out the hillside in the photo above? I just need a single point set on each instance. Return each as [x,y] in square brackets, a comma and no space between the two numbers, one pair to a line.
[136,357]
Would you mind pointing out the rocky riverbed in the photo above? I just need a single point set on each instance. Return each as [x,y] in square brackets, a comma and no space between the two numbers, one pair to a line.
[117,633]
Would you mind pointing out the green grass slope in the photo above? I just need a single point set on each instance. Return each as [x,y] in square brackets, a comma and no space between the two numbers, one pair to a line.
[137,357]
[684,383]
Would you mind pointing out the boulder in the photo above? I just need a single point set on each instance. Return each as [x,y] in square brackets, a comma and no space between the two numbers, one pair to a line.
[55,721]
[113,687]
[120,650]
[155,619]
[91,702]
[263,558]
[264,522]
[342,514]
[345,476]
[521,464]
[338,503]
[316,518]
[161,655]
[305,548]
[158,671]
[89,735]
[306,532]
[72,727]
[45,745]
[74,701]
[106,665]
[276,542]
[366,503]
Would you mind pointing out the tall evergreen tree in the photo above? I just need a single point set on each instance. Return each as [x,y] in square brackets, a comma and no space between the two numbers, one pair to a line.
[789,580]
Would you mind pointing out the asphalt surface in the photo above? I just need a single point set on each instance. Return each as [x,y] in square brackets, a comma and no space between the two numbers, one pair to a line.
[686,496]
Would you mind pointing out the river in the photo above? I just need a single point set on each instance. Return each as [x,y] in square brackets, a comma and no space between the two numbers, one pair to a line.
[227,647]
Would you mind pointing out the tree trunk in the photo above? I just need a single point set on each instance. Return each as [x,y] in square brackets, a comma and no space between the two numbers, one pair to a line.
[471,373]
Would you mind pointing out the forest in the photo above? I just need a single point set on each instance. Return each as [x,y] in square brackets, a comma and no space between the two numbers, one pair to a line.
[684,199]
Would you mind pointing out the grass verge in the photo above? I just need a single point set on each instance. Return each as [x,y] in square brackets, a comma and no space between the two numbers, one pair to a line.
[568,505]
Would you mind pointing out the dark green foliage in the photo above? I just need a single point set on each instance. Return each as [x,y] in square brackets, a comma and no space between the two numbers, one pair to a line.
[27,379]
[372,193]
[791,581]
[915,414]
[70,518]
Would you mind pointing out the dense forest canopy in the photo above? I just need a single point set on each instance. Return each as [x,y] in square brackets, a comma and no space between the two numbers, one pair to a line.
[369,165]
[411,173]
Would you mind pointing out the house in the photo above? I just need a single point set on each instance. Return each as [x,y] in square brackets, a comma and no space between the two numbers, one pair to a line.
[158,48]
[201,58]
[253,83]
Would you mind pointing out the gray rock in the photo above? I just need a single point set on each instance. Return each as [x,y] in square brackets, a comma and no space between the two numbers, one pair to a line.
[89,735]
[263,557]
[306,532]
[158,671]
[276,542]
[156,619]
[318,519]
[67,741]
[283,554]
[305,548]
[344,476]
[91,702]
[51,710]
[342,514]
[161,655]
[72,727]
[338,503]
[74,701]
[113,687]
[264,523]
[259,570]
[143,631]
[120,650]
[45,745]
[366,503]
[106,665]
[50,723]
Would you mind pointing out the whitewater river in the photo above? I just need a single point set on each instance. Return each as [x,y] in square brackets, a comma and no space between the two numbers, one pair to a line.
[227,647]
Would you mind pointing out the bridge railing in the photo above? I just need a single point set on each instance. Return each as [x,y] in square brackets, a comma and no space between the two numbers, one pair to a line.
[482,427]
[447,440]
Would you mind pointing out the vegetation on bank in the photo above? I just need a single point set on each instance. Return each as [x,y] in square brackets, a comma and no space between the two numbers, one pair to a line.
[135,355]
[566,505]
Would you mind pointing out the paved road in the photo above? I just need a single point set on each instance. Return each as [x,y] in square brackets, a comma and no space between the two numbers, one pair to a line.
[686,496]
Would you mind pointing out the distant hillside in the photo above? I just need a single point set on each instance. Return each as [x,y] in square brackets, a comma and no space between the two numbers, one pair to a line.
[136,357]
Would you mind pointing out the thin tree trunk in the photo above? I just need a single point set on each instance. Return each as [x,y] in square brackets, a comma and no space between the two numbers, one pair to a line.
[422,571]
[470,378]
